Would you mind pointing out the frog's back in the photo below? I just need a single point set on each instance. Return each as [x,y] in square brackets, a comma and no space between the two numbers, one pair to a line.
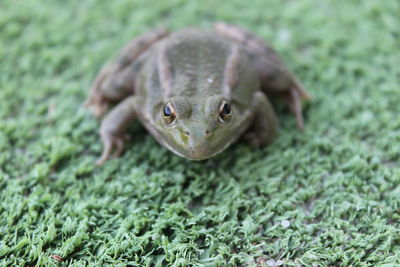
[198,59]
[197,64]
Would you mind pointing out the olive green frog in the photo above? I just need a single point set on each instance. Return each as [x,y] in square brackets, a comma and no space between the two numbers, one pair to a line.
[196,91]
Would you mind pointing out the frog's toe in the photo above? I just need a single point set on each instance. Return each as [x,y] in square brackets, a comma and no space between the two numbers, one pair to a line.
[98,105]
[111,143]
[294,99]
[119,147]
[105,156]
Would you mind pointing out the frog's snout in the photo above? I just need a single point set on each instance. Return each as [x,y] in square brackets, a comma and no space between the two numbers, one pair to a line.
[195,140]
[199,153]
[208,133]
[199,144]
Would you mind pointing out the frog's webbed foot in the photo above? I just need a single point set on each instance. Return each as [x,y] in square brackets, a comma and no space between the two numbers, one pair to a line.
[294,100]
[116,80]
[275,78]
[113,128]
[265,124]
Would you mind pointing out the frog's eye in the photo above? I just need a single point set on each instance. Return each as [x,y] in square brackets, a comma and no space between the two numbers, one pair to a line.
[169,113]
[225,111]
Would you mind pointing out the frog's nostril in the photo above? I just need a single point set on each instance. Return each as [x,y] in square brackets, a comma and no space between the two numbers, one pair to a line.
[208,132]
[187,133]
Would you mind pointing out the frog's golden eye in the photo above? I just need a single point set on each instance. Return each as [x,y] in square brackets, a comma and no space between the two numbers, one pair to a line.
[225,111]
[169,113]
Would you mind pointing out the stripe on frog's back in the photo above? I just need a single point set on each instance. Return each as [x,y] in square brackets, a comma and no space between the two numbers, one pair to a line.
[165,73]
[231,73]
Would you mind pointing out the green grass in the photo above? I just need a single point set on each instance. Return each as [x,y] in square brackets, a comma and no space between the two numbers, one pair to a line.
[337,183]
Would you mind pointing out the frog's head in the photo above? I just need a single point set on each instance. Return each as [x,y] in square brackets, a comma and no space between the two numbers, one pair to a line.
[200,128]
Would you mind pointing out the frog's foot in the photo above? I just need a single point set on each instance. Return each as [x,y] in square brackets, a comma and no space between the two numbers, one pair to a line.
[293,98]
[98,92]
[98,103]
[114,126]
[110,86]
[111,143]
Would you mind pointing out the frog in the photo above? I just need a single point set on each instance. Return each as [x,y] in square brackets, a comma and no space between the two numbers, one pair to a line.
[195,90]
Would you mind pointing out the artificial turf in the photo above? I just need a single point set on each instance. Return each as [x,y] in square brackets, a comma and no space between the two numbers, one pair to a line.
[329,196]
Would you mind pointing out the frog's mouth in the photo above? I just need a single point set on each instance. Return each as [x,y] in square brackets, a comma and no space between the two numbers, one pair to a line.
[192,146]
[199,152]
[197,143]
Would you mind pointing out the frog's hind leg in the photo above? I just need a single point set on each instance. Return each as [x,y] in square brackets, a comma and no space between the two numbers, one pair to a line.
[116,80]
[274,76]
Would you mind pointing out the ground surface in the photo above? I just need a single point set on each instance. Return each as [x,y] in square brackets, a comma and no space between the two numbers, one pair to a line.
[328,196]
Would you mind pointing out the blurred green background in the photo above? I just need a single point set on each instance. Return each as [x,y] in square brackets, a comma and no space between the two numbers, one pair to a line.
[328,196]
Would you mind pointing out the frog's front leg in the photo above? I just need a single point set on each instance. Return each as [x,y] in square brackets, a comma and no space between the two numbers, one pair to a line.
[275,78]
[116,80]
[265,124]
[114,125]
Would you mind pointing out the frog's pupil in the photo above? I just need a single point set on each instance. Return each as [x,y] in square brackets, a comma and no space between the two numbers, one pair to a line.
[226,109]
[167,111]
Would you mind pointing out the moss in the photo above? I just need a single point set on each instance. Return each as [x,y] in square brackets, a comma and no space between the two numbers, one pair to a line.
[336,183]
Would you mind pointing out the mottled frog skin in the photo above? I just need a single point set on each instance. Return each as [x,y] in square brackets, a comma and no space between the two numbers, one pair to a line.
[195,91]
